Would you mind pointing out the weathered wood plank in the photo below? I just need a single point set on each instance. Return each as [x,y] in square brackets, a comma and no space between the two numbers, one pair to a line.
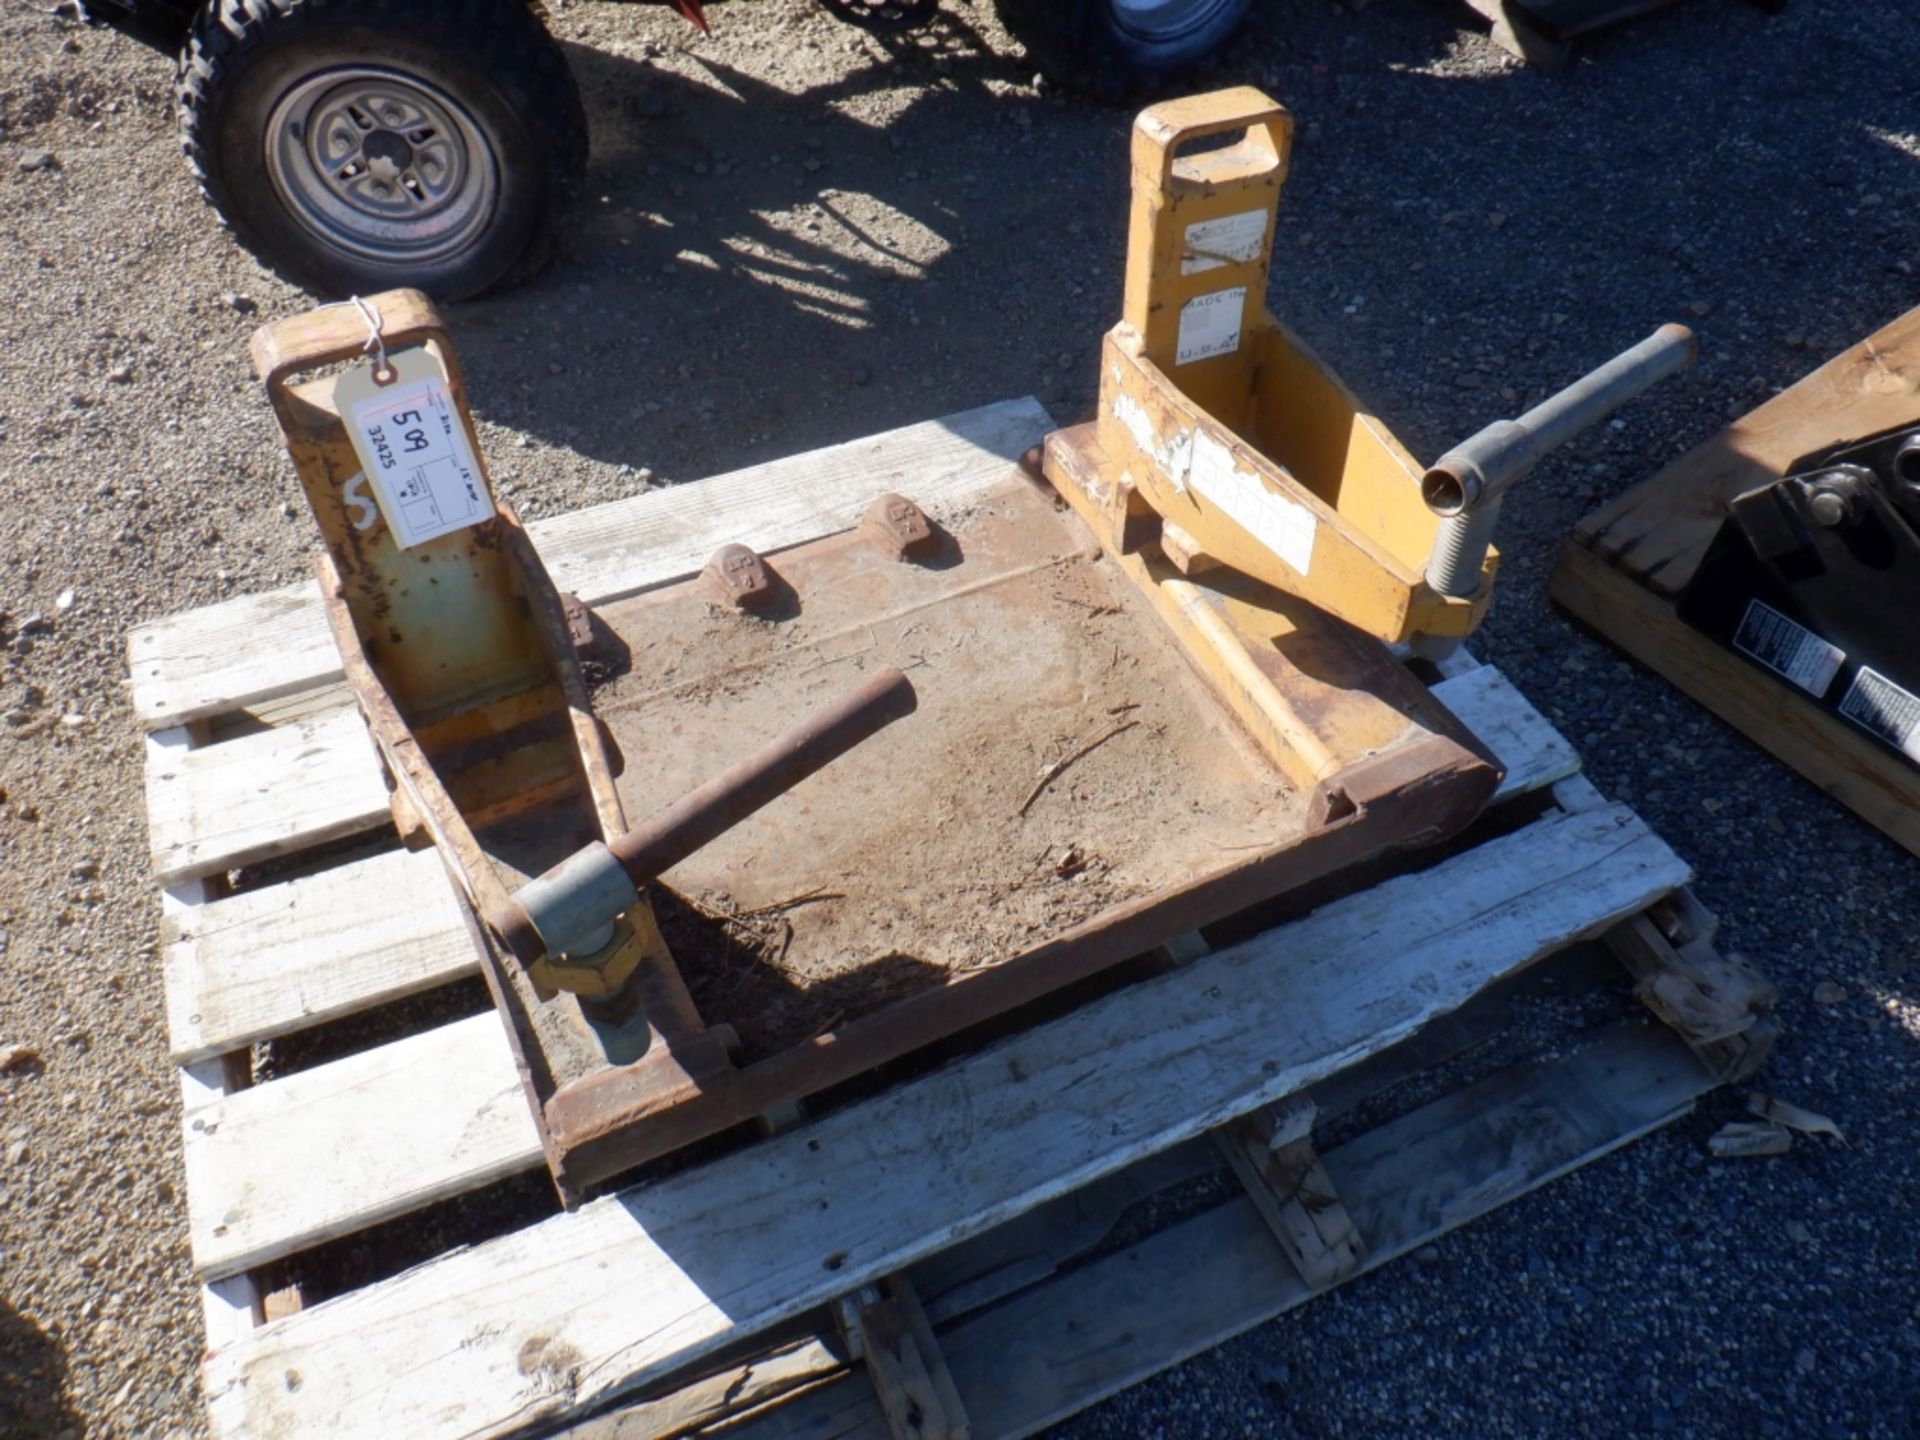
[1272,1153]
[1407,1183]
[219,657]
[1519,736]
[565,1315]
[954,1282]
[258,647]
[1073,1341]
[287,956]
[228,1308]
[1027,1249]
[292,1162]
[261,795]
[287,1164]
[728,1394]
[886,1328]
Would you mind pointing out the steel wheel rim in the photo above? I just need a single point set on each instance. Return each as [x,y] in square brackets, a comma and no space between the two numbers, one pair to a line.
[382,165]
[1159,21]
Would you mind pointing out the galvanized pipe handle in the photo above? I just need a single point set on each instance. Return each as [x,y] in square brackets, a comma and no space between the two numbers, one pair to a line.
[570,909]
[1482,468]
[1465,485]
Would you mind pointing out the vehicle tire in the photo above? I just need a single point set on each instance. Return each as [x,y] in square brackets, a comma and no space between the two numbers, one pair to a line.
[357,145]
[1117,48]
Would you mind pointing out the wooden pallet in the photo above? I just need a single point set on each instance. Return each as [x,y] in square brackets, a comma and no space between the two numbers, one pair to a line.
[940,1220]
[1624,566]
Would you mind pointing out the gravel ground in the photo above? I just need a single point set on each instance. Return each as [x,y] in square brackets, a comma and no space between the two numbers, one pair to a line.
[926,230]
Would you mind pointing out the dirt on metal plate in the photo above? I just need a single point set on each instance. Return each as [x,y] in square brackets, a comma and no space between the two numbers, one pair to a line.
[1063,760]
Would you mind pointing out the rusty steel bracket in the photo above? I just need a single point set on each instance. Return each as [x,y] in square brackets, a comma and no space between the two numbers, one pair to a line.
[464,658]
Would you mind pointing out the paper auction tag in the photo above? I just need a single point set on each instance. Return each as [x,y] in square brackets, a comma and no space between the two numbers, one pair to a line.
[412,442]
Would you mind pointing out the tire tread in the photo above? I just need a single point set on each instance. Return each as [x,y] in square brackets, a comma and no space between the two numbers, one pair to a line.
[502,39]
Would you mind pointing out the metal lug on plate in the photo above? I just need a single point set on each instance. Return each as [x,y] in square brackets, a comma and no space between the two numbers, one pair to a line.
[414,834]
[898,527]
[738,577]
[579,620]
[1183,551]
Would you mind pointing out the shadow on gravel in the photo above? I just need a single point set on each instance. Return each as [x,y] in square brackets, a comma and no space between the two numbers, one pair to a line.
[751,272]
[747,266]
[33,1372]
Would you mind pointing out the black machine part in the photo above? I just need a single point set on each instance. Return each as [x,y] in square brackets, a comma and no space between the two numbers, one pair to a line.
[1816,579]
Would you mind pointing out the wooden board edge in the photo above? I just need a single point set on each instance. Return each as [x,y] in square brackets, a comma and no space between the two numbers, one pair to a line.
[1005,1367]
[1874,783]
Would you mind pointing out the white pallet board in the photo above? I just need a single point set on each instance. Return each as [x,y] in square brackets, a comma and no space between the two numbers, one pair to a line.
[1073,1339]
[228,1308]
[314,948]
[1518,736]
[289,1164]
[568,1313]
[262,795]
[258,647]
[272,960]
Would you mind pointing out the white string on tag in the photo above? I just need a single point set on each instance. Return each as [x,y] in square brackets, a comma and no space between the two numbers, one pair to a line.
[376,346]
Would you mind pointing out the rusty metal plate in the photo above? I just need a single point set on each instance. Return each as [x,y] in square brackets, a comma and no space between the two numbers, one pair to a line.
[1064,760]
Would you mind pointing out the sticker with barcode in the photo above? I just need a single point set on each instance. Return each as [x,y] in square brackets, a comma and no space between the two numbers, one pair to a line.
[1210,325]
[1788,649]
[1875,703]
[1231,239]
[410,436]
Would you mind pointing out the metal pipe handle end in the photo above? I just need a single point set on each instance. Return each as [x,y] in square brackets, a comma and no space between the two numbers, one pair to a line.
[1479,469]
[1674,333]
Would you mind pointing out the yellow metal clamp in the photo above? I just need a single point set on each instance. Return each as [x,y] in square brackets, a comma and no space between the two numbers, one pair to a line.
[1202,223]
[1224,440]
[1220,422]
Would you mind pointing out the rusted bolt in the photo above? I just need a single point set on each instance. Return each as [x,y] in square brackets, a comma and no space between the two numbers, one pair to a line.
[898,527]
[738,577]
[1033,460]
